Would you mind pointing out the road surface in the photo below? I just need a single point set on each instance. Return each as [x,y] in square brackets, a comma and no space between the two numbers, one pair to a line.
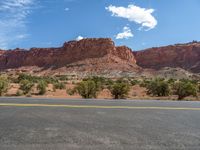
[58,124]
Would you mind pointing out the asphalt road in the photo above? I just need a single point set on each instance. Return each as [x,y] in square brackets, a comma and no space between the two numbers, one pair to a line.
[58,124]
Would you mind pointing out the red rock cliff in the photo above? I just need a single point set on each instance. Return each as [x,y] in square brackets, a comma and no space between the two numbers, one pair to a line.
[186,56]
[70,52]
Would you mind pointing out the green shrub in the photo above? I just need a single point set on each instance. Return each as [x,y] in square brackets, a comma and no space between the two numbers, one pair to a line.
[101,82]
[19,93]
[158,87]
[42,87]
[134,82]
[70,92]
[144,83]
[62,77]
[87,89]
[119,90]
[26,86]
[50,80]
[4,84]
[28,77]
[184,89]
[35,79]
[59,85]
[171,81]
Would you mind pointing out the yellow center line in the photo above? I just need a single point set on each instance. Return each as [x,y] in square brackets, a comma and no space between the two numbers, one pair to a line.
[96,106]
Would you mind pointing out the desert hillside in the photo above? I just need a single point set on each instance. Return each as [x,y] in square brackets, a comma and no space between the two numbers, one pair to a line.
[100,56]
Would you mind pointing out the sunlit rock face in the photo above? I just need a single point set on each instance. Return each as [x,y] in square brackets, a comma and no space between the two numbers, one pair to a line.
[185,56]
[94,54]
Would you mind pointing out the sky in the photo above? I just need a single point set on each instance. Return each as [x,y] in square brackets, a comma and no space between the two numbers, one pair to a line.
[138,24]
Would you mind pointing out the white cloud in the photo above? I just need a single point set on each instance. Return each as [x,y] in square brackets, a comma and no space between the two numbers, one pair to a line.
[126,34]
[13,15]
[66,9]
[79,38]
[135,14]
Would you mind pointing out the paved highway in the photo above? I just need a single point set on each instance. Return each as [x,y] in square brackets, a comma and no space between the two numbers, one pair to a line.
[58,124]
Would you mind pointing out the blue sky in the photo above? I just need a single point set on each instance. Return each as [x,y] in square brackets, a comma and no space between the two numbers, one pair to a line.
[138,24]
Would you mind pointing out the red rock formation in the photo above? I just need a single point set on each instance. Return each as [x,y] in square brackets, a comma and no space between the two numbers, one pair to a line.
[124,52]
[101,56]
[185,56]
[86,54]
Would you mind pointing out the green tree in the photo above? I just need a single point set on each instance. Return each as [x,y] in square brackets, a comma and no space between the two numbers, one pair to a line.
[42,87]
[119,90]
[3,85]
[184,89]
[26,86]
[87,89]
[158,87]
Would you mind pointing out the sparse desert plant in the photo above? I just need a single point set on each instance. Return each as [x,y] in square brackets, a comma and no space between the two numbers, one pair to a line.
[62,77]
[184,89]
[144,83]
[26,86]
[87,89]
[49,79]
[158,87]
[59,85]
[19,93]
[119,90]
[42,87]
[71,91]
[171,81]
[134,82]
[28,77]
[4,84]
[198,86]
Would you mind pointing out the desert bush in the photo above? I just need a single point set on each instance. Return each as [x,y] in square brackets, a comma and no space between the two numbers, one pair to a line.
[4,84]
[62,77]
[19,93]
[144,83]
[26,86]
[158,87]
[184,89]
[171,81]
[28,77]
[71,91]
[87,89]
[99,81]
[59,85]
[36,79]
[119,90]
[134,82]
[42,87]
[198,86]
[49,80]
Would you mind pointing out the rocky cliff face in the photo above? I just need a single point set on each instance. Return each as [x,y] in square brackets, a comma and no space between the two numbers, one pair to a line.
[84,55]
[100,56]
[185,56]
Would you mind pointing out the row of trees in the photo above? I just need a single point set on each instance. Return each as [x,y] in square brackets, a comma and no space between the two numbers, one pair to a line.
[90,87]
[120,88]
[27,82]
[182,88]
